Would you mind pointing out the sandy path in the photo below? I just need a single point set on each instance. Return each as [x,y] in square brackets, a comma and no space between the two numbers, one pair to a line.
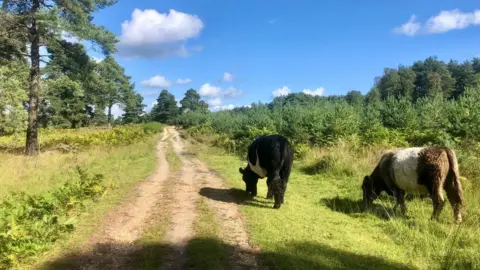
[111,244]
[233,231]
[183,210]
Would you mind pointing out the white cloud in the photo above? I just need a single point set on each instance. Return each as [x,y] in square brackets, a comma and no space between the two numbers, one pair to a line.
[446,20]
[227,77]
[282,91]
[223,108]
[209,90]
[150,93]
[69,37]
[215,102]
[157,81]
[232,92]
[97,59]
[317,92]
[149,108]
[117,111]
[150,34]
[409,28]
[183,81]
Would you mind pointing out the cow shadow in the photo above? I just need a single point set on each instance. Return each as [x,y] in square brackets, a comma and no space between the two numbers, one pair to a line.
[233,195]
[356,207]
[212,253]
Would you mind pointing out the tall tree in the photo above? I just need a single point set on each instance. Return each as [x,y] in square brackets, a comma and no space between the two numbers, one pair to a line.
[42,23]
[133,106]
[433,85]
[430,65]
[68,75]
[389,84]
[407,82]
[113,84]
[166,108]
[354,98]
[464,75]
[476,64]
[191,102]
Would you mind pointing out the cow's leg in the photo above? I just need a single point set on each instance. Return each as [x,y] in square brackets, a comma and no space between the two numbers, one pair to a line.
[279,188]
[276,187]
[400,196]
[254,189]
[269,186]
[438,201]
[284,189]
[455,197]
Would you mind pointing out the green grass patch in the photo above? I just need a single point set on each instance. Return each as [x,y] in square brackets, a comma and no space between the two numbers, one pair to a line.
[321,224]
[174,162]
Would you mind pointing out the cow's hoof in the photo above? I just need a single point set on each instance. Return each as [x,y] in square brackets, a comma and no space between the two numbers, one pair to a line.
[276,206]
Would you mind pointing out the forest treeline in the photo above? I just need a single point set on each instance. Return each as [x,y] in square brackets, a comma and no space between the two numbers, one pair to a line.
[428,102]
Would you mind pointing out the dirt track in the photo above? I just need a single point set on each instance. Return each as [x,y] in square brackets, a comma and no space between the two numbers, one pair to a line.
[111,244]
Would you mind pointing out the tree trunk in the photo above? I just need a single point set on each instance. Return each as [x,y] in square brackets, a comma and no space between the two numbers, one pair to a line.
[32,132]
[109,116]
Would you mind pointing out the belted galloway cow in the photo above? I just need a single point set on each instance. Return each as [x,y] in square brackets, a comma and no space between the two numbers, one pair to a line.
[269,156]
[417,170]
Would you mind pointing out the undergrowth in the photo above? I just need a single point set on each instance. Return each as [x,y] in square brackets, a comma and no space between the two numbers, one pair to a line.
[29,224]
[78,139]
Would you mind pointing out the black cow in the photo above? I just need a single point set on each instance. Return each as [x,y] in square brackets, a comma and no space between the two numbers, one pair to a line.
[269,156]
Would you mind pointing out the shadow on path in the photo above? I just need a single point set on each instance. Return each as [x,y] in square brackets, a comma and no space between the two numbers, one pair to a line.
[233,195]
[210,253]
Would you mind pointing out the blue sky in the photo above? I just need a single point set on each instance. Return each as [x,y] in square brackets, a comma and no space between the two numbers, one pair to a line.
[239,52]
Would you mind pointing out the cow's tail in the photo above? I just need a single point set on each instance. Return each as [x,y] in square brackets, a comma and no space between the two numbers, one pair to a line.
[453,185]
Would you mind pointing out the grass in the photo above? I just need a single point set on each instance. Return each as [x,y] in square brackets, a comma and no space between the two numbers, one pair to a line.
[321,224]
[122,167]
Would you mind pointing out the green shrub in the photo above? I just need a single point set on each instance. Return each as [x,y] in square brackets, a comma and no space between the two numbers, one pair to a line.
[300,150]
[30,224]
[152,127]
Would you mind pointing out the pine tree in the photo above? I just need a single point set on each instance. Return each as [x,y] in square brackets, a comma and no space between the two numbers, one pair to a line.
[42,23]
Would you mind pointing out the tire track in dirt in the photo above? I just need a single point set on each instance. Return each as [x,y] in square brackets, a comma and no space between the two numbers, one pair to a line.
[232,227]
[111,244]
[183,211]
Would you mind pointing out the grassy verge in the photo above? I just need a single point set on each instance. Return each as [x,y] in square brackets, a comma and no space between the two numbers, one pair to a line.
[206,250]
[321,224]
[122,168]
[98,150]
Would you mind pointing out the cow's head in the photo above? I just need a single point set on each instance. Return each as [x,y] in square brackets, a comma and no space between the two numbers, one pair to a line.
[370,191]
[250,178]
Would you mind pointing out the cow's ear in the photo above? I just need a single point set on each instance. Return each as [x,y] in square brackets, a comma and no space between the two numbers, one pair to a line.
[241,170]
